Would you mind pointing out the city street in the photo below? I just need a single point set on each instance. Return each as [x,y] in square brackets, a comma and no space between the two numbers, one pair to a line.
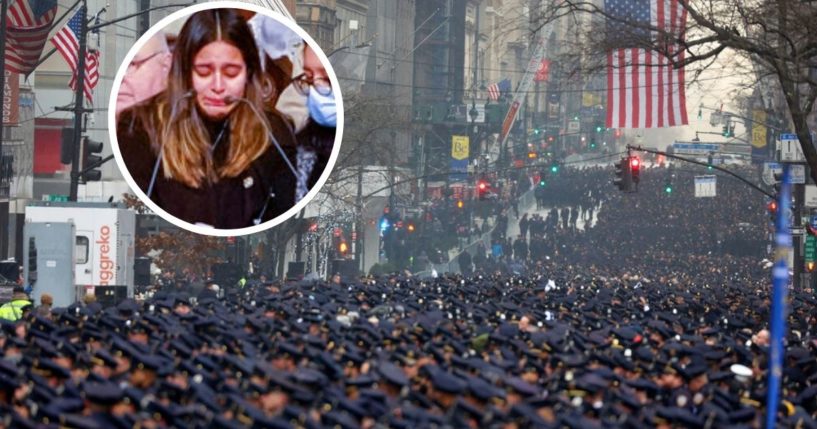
[479,214]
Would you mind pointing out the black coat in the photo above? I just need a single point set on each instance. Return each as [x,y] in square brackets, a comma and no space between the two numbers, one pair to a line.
[321,140]
[231,202]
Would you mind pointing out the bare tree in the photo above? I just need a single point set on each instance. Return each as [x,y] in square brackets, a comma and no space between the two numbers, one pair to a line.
[777,37]
[177,249]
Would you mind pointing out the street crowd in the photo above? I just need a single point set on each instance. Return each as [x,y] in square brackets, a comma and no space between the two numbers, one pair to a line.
[640,319]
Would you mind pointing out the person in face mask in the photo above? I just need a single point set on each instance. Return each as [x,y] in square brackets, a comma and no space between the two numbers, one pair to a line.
[316,140]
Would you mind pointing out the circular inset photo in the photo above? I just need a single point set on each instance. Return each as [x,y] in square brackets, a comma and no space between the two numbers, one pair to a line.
[226,118]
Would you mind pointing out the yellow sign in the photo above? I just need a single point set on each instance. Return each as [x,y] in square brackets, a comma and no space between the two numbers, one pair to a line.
[759,129]
[591,99]
[459,147]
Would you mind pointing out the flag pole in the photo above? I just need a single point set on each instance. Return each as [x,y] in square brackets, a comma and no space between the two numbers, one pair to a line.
[79,101]
[4,7]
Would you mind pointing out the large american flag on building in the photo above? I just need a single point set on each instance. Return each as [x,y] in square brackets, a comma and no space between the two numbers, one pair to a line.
[643,89]
[27,28]
[67,43]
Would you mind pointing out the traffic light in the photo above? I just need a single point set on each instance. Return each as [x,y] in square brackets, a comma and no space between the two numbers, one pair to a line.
[554,167]
[778,182]
[67,146]
[32,260]
[460,204]
[542,183]
[709,161]
[772,208]
[482,188]
[728,130]
[623,179]
[410,227]
[668,187]
[810,266]
[90,151]
[635,169]
[343,248]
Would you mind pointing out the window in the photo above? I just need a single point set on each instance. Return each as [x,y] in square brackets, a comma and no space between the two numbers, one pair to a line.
[81,249]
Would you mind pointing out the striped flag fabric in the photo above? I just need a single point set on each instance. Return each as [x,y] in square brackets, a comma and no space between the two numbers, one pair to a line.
[67,43]
[91,74]
[27,28]
[643,88]
[495,90]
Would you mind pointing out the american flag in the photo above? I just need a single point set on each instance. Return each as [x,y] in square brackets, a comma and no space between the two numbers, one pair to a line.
[27,28]
[643,89]
[497,89]
[67,43]
[91,74]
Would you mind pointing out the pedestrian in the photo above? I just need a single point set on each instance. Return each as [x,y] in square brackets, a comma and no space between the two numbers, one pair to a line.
[44,310]
[464,260]
[316,141]
[523,225]
[146,74]
[18,307]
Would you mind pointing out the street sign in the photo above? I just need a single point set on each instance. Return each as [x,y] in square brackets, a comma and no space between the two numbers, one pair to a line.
[810,248]
[574,127]
[790,150]
[705,186]
[689,148]
[769,170]
[811,196]
[715,118]
[798,174]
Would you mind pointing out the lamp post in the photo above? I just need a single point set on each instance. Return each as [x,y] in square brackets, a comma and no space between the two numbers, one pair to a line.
[366,44]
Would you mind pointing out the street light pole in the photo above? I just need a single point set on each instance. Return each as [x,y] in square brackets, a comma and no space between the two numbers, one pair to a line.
[4,5]
[79,100]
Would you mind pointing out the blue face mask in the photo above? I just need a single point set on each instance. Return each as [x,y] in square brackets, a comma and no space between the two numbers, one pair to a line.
[322,108]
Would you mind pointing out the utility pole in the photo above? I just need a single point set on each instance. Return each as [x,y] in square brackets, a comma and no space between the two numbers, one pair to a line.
[79,100]
[4,6]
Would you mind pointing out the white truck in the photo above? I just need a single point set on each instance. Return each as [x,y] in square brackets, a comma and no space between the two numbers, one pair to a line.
[74,249]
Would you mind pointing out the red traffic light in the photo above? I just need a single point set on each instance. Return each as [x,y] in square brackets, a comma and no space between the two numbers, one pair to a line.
[635,162]
[482,185]
[772,207]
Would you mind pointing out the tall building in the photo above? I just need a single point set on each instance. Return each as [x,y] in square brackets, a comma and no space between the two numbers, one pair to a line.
[318,18]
